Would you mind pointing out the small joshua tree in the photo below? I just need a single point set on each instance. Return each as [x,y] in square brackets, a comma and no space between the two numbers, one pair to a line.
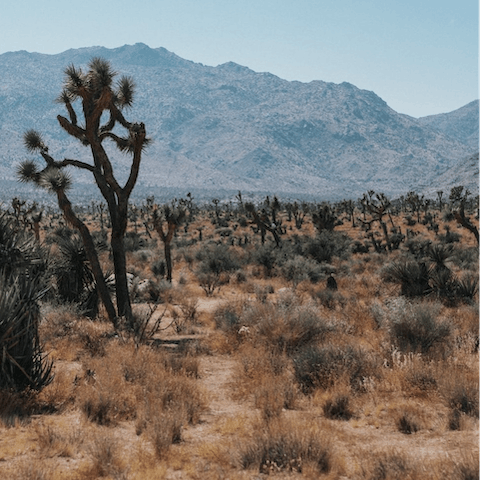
[100,99]
[170,218]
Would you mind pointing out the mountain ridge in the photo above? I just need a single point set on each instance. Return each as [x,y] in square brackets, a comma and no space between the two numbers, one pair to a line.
[229,127]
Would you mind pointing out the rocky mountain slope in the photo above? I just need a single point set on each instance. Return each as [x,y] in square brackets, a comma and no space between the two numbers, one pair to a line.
[461,124]
[228,128]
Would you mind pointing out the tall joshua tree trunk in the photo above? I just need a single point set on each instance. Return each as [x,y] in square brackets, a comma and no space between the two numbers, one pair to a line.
[99,99]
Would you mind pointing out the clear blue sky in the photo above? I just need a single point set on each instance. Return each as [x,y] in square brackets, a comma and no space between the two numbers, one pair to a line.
[420,56]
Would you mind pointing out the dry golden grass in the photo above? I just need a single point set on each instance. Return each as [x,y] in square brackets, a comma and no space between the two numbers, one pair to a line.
[208,398]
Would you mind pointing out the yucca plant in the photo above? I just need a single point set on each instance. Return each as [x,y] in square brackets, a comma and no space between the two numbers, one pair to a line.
[22,265]
[22,364]
[412,276]
[74,277]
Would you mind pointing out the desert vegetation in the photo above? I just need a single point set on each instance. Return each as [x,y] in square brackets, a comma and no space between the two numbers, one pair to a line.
[266,338]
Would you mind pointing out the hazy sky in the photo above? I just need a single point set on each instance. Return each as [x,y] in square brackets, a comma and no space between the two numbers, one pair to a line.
[420,56]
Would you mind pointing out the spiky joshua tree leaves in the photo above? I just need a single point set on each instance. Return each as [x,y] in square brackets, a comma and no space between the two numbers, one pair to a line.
[100,98]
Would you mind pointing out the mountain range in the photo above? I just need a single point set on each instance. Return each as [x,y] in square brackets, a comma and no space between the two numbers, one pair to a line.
[217,130]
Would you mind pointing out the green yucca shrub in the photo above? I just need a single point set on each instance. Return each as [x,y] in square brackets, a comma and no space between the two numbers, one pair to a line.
[22,364]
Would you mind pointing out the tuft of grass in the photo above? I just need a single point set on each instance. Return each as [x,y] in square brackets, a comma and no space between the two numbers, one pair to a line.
[53,442]
[107,460]
[166,430]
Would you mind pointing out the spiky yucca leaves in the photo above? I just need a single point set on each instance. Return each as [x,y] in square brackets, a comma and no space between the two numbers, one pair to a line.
[27,171]
[33,141]
[440,253]
[125,89]
[74,277]
[19,253]
[413,277]
[22,364]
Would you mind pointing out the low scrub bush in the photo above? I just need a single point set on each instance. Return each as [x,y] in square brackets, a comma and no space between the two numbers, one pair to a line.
[338,408]
[416,327]
[166,430]
[408,423]
[291,328]
[323,366]
[217,259]
[388,466]
[286,446]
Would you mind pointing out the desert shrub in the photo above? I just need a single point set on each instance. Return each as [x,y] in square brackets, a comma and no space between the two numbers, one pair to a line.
[22,365]
[418,247]
[462,396]
[323,366]
[227,318]
[32,470]
[52,441]
[294,269]
[217,259]
[466,468]
[133,242]
[422,379]
[326,245]
[299,268]
[416,328]
[407,423]
[166,430]
[107,460]
[390,466]
[329,298]
[270,398]
[338,408]
[268,376]
[159,268]
[288,328]
[286,446]
[182,364]
[138,383]
[413,277]
[16,406]
[465,258]
[210,282]
[449,237]
[266,257]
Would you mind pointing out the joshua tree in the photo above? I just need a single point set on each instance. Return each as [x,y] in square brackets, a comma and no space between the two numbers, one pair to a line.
[263,222]
[172,217]
[458,199]
[324,217]
[100,99]
[378,206]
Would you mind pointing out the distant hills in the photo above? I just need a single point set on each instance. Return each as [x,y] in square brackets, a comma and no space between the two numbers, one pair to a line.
[217,130]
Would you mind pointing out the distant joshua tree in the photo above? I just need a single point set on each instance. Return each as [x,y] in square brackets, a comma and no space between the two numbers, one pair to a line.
[102,103]
[165,221]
